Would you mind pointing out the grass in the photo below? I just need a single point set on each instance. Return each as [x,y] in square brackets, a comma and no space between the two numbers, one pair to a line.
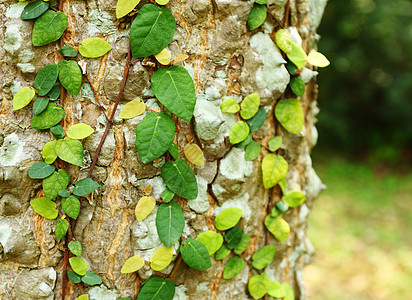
[361,228]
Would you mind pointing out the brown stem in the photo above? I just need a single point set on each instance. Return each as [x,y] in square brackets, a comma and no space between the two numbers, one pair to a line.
[286,16]
[110,120]
[95,96]
[274,17]
[178,261]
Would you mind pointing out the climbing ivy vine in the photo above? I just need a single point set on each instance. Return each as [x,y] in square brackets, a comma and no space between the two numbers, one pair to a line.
[152,29]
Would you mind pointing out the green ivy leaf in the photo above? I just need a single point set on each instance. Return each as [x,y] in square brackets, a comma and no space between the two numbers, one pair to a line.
[61,228]
[238,132]
[94,47]
[257,120]
[157,288]
[40,170]
[55,92]
[230,106]
[73,277]
[70,76]
[290,114]
[154,136]
[79,131]
[222,253]
[152,30]
[49,27]
[263,257]
[174,88]
[274,169]
[23,97]
[78,265]
[278,227]
[275,143]
[283,40]
[257,16]
[84,187]
[75,247]
[242,246]
[123,7]
[252,151]
[64,193]
[250,106]
[45,79]
[298,86]
[293,198]
[40,105]
[233,237]
[45,208]
[56,182]
[297,56]
[258,285]
[174,151]
[261,1]
[228,218]
[245,142]
[167,195]
[70,150]
[49,117]
[71,206]
[233,267]
[161,258]
[170,222]
[49,152]
[195,254]
[34,10]
[68,51]
[132,264]
[57,131]
[180,178]
[276,290]
[292,68]
[282,207]
[91,278]
[211,239]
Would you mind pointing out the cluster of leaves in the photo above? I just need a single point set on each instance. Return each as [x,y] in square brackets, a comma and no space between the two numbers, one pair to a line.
[49,26]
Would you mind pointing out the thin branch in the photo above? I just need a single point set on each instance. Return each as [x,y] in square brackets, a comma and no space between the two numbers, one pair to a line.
[95,96]
[178,261]
[286,16]
[274,17]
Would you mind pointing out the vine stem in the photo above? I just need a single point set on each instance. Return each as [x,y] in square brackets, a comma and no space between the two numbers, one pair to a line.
[110,120]
[276,19]
[95,96]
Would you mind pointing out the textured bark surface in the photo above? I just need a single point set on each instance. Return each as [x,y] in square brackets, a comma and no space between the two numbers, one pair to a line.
[225,60]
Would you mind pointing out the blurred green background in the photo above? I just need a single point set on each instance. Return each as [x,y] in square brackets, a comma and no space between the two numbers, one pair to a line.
[361,225]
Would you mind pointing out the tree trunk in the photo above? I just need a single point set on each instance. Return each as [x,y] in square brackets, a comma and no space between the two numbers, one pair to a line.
[226,60]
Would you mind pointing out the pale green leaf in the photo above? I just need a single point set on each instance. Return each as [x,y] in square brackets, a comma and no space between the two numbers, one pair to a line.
[163,57]
[230,106]
[70,76]
[78,265]
[263,257]
[49,152]
[289,113]
[45,208]
[144,207]
[211,239]
[274,169]
[275,143]
[233,267]
[318,59]
[297,56]
[94,47]
[132,109]
[288,290]
[70,150]
[276,290]
[278,227]
[250,106]
[61,228]
[283,40]
[71,206]
[75,247]
[293,198]
[258,285]
[123,7]
[132,264]
[56,182]
[79,131]
[49,117]
[222,253]
[161,258]
[23,97]
[162,2]
[252,150]
[238,132]
[228,218]
[194,154]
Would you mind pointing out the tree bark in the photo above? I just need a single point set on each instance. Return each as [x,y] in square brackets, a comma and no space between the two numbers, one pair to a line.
[226,60]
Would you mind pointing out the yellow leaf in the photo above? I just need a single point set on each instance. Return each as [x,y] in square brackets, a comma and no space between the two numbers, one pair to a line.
[132,109]
[79,131]
[194,154]
[181,57]
[132,264]
[163,57]
[23,97]
[318,59]
[162,2]
[144,207]
[161,258]
[83,297]
[123,7]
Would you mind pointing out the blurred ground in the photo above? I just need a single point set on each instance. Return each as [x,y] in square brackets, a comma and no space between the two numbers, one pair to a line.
[361,228]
